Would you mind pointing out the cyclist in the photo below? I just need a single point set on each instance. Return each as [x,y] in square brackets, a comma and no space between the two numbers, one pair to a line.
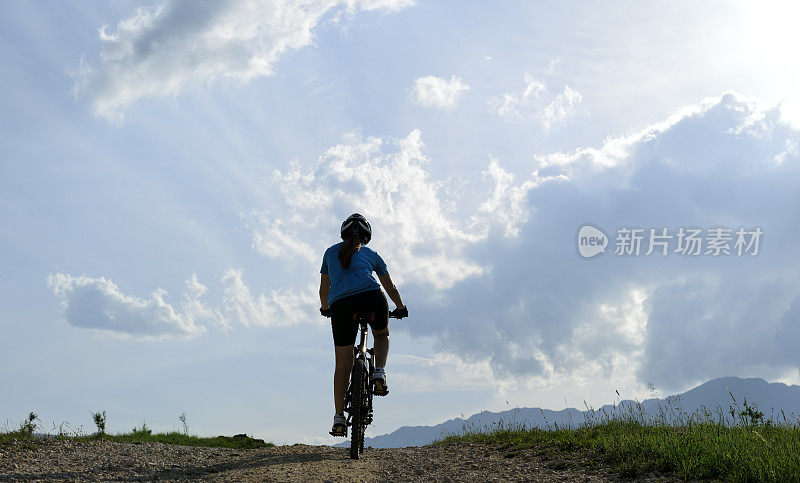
[346,287]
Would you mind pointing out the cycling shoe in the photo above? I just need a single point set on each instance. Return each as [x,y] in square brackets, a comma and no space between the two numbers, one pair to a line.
[379,385]
[339,426]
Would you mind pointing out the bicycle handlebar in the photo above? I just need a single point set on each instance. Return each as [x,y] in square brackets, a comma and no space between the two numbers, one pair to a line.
[394,314]
[399,313]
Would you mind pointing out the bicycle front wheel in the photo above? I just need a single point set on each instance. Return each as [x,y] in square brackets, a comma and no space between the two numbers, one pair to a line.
[357,409]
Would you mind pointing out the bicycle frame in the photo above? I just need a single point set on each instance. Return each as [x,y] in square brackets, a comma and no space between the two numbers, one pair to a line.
[361,353]
[361,350]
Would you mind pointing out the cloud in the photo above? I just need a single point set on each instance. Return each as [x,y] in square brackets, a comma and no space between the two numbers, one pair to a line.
[273,238]
[510,104]
[536,102]
[506,206]
[439,93]
[551,66]
[415,219]
[279,309]
[97,303]
[543,313]
[560,108]
[159,52]
[444,371]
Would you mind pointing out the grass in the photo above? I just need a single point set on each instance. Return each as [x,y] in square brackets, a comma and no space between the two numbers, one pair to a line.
[14,437]
[175,437]
[26,435]
[703,445]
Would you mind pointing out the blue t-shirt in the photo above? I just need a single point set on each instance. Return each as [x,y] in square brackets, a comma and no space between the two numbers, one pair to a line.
[356,279]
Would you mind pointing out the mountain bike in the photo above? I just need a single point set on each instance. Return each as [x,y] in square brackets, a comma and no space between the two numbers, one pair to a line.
[358,400]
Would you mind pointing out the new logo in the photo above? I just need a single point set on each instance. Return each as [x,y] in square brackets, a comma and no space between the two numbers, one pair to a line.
[591,241]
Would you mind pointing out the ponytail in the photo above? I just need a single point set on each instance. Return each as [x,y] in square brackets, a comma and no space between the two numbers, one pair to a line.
[348,248]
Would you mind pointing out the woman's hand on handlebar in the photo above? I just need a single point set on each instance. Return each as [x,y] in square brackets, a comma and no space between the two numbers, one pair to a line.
[399,313]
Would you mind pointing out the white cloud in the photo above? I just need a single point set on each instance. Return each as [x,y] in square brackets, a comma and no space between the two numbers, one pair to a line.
[436,92]
[551,66]
[619,151]
[536,102]
[280,308]
[272,238]
[510,105]
[444,371]
[560,108]
[354,6]
[507,205]
[97,303]
[199,310]
[414,224]
[160,51]
[610,342]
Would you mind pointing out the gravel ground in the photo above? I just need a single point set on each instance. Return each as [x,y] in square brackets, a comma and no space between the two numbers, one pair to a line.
[105,460]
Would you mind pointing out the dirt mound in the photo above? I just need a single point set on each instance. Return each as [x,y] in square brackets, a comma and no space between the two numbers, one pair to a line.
[106,460]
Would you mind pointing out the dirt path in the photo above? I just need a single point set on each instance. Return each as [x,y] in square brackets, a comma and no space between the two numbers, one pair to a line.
[105,460]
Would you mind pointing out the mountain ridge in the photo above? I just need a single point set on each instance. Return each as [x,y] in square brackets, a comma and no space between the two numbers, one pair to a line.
[715,394]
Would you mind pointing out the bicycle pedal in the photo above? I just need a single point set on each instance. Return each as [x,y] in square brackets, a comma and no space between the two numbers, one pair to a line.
[339,433]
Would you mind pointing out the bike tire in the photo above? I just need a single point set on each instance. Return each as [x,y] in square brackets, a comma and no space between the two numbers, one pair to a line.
[366,406]
[356,406]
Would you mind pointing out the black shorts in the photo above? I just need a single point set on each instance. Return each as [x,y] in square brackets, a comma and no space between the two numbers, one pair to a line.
[342,323]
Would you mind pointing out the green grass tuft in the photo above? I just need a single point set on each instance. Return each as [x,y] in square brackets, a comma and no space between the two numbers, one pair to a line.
[26,437]
[705,445]
[175,437]
[700,451]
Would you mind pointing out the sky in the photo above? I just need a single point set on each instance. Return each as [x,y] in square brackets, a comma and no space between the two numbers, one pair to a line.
[172,172]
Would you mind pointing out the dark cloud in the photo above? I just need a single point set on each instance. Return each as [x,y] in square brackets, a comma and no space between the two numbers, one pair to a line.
[542,310]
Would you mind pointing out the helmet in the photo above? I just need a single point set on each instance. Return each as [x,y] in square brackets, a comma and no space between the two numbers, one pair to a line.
[356,223]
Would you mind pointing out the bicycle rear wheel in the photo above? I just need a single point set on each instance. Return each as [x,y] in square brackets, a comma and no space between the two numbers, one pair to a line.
[357,409]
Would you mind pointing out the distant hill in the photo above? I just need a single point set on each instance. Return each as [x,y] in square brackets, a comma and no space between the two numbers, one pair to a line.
[711,395]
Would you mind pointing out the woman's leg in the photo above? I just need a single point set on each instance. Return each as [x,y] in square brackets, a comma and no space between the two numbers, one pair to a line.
[380,306]
[341,376]
[344,334]
[381,346]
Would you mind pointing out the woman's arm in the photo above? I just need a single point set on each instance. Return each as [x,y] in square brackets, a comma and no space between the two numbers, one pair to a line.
[391,290]
[324,288]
